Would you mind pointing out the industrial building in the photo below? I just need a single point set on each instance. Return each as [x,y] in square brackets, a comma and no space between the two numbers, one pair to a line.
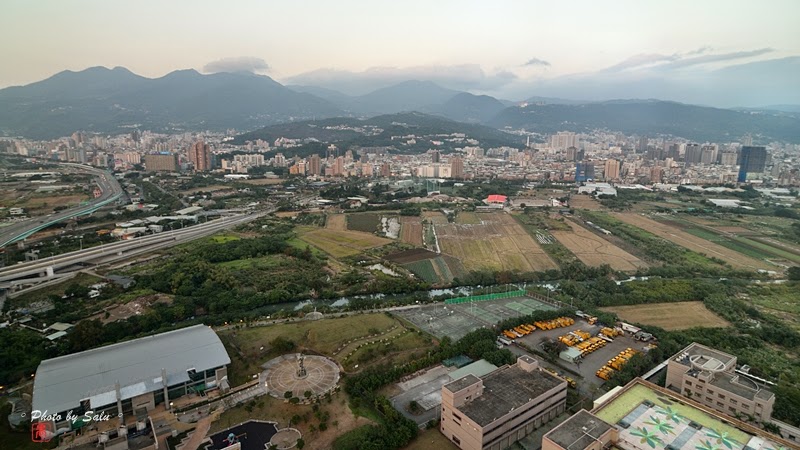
[644,416]
[709,377]
[496,410]
[130,378]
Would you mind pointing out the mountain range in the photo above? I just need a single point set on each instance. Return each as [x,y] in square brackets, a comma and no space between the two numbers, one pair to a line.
[114,100]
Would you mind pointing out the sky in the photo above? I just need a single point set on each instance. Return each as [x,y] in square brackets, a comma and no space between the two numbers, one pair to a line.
[501,47]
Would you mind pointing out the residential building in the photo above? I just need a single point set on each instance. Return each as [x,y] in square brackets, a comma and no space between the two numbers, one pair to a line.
[496,410]
[563,140]
[611,169]
[131,377]
[709,377]
[457,167]
[315,165]
[584,171]
[161,162]
[643,416]
[200,156]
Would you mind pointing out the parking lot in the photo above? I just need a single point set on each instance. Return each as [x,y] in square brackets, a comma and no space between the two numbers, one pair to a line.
[591,362]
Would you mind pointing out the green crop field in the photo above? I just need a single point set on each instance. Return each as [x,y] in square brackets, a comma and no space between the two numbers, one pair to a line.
[423,269]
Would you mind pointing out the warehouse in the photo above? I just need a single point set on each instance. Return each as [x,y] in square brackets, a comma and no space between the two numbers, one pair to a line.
[131,377]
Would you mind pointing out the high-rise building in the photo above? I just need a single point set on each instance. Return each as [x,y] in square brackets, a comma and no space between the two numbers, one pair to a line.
[161,162]
[435,156]
[315,165]
[656,174]
[338,167]
[642,147]
[563,140]
[611,170]
[693,154]
[200,156]
[572,154]
[457,167]
[386,170]
[752,160]
[584,171]
[279,160]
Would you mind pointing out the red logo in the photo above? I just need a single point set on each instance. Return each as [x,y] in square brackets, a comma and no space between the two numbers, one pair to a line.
[41,431]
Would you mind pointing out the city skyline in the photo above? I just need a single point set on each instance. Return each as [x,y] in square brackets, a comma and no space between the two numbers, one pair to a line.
[513,51]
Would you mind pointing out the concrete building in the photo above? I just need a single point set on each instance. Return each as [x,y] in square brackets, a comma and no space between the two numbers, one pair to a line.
[457,167]
[709,377]
[643,416]
[131,377]
[496,410]
[200,156]
[563,140]
[611,169]
[161,162]
[314,165]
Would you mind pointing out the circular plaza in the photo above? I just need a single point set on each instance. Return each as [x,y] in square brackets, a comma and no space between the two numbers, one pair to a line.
[300,373]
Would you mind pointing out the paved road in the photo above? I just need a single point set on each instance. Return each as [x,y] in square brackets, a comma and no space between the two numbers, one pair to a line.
[109,185]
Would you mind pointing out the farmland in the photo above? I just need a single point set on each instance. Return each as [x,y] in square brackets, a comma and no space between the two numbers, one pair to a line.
[341,243]
[669,316]
[595,251]
[466,217]
[585,202]
[694,243]
[411,230]
[336,222]
[429,266]
[367,223]
[497,243]
[434,217]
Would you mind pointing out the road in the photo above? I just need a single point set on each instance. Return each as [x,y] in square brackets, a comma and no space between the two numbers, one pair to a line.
[111,192]
[31,272]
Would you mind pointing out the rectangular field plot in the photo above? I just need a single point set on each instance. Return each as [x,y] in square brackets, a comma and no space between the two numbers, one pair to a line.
[694,243]
[342,243]
[497,243]
[595,251]
[411,230]
[670,316]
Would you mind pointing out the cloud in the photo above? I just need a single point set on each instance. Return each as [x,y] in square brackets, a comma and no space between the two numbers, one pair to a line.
[237,64]
[537,62]
[678,60]
[640,60]
[705,59]
[468,77]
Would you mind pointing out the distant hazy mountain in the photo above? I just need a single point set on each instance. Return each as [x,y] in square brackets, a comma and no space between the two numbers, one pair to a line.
[110,100]
[652,117]
[554,101]
[466,107]
[402,124]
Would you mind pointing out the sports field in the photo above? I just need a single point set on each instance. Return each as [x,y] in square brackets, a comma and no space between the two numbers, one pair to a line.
[670,316]
[595,251]
[497,243]
[694,243]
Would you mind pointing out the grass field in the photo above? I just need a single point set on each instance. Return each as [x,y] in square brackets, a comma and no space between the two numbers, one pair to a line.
[398,348]
[466,217]
[434,217]
[498,243]
[336,222]
[585,202]
[269,262]
[692,242]
[423,269]
[320,336]
[595,251]
[367,223]
[411,230]
[430,439]
[341,243]
[670,316]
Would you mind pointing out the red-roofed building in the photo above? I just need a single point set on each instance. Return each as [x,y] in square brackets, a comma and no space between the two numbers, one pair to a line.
[496,199]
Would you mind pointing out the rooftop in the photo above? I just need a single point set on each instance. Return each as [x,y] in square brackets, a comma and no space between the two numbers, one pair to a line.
[578,431]
[461,383]
[648,416]
[704,357]
[507,389]
[478,368]
[741,386]
[62,383]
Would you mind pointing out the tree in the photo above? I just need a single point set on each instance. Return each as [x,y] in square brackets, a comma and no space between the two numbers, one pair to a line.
[794,273]
[86,334]
[301,443]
